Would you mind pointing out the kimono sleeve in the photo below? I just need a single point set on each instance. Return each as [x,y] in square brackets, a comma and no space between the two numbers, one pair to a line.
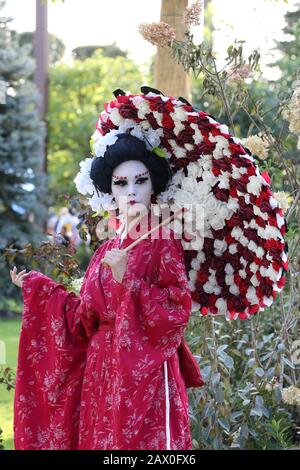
[40,290]
[49,372]
[56,327]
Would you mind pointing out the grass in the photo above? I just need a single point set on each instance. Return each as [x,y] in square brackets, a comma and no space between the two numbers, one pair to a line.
[9,334]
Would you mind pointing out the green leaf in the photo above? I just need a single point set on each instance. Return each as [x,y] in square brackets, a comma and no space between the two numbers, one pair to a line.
[92,146]
[208,410]
[226,359]
[102,213]
[271,373]
[259,371]
[289,363]
[216,377]
[225,425]
[219,395]
[236,414]
[256,412]
[259,401]
[244,432]
[159,152]
[229,50]
[251,362]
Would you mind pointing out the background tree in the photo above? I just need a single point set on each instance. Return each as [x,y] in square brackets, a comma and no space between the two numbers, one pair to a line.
[110,50]
[76,94]
[56,45]
[169,77]
[21,133]
[289,62]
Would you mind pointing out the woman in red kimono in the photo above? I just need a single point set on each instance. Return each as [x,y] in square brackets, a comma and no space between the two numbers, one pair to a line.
[108,369]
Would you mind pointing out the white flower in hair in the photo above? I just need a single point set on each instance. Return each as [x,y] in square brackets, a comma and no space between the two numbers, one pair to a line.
[149,137]
[96,135]
[137,132]
[95,201]
[153,137]
[83,180]
[142,106]
[103,201]
[115,117]
[178,127]
[145,125]
[158,116]
[223,180]
[102,142]
[221,305]
[223,128]
[222,146]
[183,197]
[198,137]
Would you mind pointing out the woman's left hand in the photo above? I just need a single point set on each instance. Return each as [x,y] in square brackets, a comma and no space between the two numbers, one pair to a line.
[117,260]
[18,278]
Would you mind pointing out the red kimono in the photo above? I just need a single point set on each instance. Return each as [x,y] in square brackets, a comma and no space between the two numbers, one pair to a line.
[108,369]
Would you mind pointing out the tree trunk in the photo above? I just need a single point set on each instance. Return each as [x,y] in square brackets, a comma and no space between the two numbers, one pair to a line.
[169,76]
[41,80]
[41,55]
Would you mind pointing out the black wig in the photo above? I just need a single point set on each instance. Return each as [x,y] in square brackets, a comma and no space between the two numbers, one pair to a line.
[129,147]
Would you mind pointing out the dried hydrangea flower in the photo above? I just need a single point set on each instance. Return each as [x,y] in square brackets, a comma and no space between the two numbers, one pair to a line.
[240,73]
[291,395]
[160,34]
[292,112]
[258,145]
[282,198]
[192,14]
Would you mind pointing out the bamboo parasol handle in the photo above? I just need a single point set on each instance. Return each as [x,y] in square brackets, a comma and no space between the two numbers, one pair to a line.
[145,235]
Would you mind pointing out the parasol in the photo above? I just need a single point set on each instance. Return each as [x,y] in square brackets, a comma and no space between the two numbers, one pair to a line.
[237,261]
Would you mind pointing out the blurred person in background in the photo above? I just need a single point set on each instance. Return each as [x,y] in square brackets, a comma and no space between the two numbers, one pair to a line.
[67,226]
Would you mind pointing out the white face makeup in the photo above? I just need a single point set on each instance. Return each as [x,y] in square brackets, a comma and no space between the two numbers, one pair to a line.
[131,181]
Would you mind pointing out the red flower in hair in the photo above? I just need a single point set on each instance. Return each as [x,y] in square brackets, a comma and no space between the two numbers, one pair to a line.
[127,111]
[124,99]
[162,106]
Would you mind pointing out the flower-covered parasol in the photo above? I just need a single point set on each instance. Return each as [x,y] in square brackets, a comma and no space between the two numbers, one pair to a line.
[239,264]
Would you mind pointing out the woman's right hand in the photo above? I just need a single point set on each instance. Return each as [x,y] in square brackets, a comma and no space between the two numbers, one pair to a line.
[18,278]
